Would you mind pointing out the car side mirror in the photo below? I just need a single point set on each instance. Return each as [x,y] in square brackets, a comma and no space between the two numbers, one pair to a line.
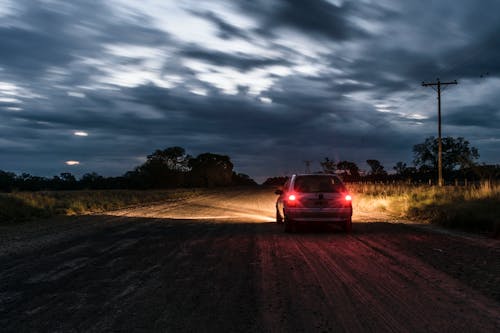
[278,192]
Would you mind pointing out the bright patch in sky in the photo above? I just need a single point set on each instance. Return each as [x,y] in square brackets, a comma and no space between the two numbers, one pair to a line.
[76,94]
[201,92]
[80,133]
[72,162]
[229,79]
[9,100]
[416,116]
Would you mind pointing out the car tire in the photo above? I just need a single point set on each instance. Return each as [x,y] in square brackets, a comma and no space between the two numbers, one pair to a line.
[348,226]
[279,218]
[289,227]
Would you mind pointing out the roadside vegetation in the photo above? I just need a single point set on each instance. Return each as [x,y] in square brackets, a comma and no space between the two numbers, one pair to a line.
[23,206]
[470,201]
[168,168]
[472,208]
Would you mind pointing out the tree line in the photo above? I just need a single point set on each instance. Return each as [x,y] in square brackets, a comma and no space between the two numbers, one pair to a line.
[459,163]
[168,168]
[172,167]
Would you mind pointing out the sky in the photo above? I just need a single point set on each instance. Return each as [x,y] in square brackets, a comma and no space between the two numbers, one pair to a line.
[98,85]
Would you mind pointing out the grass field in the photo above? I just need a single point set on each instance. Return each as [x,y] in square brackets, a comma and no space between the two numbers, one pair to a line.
[22,206]
[471,208]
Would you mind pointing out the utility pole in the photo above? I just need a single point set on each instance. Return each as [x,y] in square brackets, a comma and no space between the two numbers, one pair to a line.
[308,166]
[440,147]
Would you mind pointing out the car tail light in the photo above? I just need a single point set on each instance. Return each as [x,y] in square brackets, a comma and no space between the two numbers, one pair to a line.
[348,197]
[291,200]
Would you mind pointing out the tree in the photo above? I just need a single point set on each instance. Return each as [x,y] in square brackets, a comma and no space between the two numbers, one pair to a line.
[377,169]
[242,179]
[25,181]
[163,168]
[348,170]
[400,168]
[328,165]
[404,171]
[457,154]
[275,181]
[172,158]
[211,170]
[92,181]
[7,180]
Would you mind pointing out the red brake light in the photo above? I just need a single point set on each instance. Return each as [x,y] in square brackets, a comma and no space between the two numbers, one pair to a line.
[291,200]
[348,198]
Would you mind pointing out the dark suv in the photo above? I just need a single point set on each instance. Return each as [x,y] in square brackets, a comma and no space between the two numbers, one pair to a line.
[312,198]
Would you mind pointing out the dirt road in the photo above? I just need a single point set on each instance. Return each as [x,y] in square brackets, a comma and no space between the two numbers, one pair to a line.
[217,263]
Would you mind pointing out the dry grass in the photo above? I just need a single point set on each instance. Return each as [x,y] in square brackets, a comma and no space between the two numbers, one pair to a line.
[473,208]
[22,206]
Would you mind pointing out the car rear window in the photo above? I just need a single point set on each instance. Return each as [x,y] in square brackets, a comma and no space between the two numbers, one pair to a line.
[312,184]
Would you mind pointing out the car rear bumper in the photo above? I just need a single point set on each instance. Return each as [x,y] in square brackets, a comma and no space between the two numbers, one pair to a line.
[319,214]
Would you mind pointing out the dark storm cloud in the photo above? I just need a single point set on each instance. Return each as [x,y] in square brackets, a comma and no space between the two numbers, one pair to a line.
[31,51]
[57,34]
[361,55]
[245,125]
[236,60]
[319,18]
[476,60]
[487,117]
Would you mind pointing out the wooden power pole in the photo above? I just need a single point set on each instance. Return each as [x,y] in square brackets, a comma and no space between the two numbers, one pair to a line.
[308,166]
[438,84]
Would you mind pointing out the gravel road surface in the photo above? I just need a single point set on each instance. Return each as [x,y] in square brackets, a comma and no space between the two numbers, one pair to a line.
[217,263]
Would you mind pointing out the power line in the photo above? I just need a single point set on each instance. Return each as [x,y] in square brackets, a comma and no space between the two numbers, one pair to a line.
[438,84]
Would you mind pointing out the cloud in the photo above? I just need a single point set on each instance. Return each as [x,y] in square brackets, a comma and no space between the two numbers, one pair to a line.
[269,83]
[240,61]
[319,18]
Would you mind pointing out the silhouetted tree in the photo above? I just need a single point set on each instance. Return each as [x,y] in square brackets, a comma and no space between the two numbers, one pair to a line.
[405,172]
[328,165]
[65,181]
[210,170]
[275,181]
[25,181]
[457,154]
[93,181]
[377,169]
[163,168]
[482,172]
[349,171]
[400,168]
[7,181]
[242,179]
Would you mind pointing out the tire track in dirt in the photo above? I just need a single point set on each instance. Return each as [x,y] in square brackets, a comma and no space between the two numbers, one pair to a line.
[212,263]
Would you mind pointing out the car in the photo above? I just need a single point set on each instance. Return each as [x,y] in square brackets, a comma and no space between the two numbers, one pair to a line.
[314,198]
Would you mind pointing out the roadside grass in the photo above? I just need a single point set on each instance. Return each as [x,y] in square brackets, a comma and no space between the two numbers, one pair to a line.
[23,206]
[471,208]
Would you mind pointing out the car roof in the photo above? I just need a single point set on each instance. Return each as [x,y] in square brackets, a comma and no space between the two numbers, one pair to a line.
[316,174]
